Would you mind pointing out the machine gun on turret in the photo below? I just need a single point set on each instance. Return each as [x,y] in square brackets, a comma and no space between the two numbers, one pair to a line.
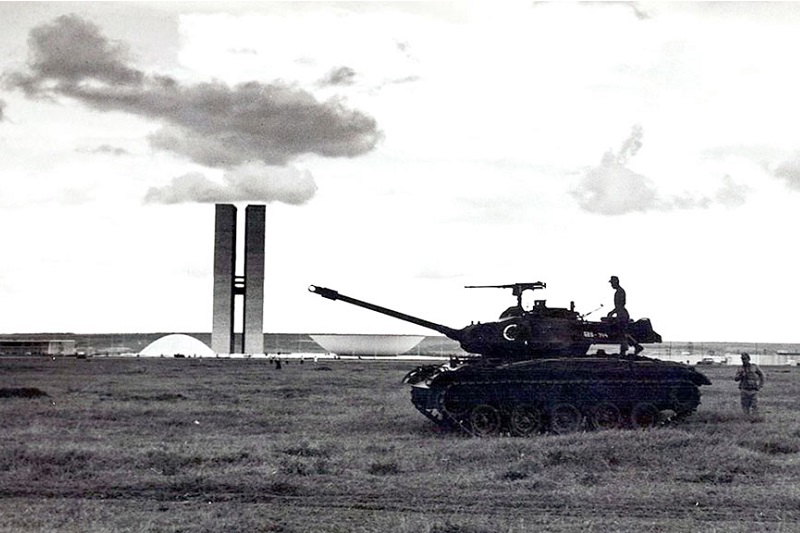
[517,289]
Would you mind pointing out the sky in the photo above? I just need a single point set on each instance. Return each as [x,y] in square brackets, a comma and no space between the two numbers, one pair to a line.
[403,150]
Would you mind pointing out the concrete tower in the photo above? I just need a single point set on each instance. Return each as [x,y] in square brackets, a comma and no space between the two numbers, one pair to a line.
[227,284]
[224,278]
[253,319]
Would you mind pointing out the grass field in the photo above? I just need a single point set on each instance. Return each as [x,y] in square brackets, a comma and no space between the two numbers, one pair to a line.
[235,445]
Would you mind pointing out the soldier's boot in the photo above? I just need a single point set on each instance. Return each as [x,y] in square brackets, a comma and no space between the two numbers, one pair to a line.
[637,348]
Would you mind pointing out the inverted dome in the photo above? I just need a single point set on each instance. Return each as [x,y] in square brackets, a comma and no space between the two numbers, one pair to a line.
[177,344]
[345,344]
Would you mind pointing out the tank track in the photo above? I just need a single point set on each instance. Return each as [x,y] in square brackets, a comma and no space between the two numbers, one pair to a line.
[526,407]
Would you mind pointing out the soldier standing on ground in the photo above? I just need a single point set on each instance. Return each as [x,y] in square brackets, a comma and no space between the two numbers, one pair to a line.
[750,379]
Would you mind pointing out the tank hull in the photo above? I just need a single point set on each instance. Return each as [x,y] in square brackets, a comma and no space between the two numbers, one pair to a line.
[559,394]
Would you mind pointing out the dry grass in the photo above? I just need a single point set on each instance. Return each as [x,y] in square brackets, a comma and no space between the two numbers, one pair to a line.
[235,445]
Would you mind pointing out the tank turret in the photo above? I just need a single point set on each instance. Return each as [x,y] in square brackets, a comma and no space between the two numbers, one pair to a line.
[522,334]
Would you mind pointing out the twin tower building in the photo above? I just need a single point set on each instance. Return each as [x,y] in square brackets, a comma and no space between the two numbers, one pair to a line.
[228,285]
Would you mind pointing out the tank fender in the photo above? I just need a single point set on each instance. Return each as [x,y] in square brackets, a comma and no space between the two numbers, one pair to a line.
[642,331]
[420,374]
[699,378]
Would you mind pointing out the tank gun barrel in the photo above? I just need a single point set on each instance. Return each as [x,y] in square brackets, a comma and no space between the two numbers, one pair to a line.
[331,294]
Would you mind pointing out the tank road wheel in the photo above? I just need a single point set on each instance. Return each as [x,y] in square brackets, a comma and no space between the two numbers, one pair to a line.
[644,415]
[526,420]
[606,415]
[685,397]
[565,418]
[454,406]
[485,420]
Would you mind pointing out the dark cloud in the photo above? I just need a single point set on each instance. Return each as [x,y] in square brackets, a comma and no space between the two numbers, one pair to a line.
[209,123]
[220,126]
[71,50]
[2,110]
[789,171]
[253,180]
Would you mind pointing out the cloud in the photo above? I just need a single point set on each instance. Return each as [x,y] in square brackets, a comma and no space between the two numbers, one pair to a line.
[2,110]
[789,171]
[339,76]
[71,50]
[105,149]
[636,8]
[244,51]
[613,189]
[249,182]
[210,123]
[219,126]
[685,201]
[732,194]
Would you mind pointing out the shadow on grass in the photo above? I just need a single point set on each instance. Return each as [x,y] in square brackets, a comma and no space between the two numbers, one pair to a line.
[22,392]
[451,527]
[772,446]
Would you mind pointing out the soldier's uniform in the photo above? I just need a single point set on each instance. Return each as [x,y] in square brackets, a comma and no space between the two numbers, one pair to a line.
[622,318]
[750,379]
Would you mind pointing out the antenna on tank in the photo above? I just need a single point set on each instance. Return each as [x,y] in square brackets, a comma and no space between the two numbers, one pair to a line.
[592,311]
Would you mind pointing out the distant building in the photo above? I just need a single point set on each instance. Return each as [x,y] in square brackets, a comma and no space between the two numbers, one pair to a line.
[177,345]
[32,346]
[227,285]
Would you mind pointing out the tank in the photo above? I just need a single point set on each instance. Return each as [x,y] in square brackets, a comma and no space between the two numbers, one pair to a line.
[531,371]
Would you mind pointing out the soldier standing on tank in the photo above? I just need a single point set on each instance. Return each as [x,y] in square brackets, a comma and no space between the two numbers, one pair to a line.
[622,317]
[750,379]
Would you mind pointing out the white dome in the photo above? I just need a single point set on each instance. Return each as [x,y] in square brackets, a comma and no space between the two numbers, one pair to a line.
[367,344]
[177,344]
